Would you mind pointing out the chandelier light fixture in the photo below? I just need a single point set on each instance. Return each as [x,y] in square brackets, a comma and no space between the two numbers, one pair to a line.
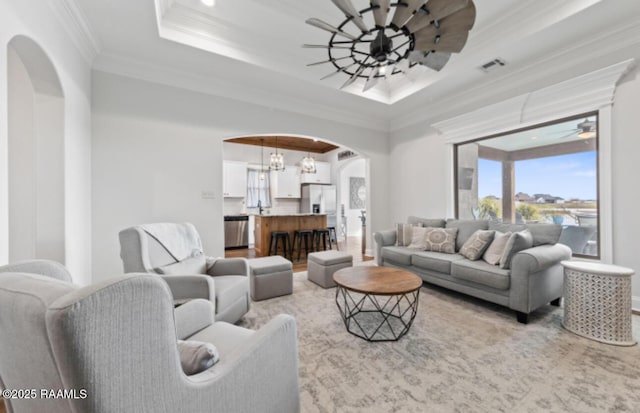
[421,32]
[277,160]
[308,165]
[262,173]
[587,129]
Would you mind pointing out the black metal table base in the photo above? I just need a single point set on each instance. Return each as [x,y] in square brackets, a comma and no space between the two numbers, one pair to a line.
[377,317]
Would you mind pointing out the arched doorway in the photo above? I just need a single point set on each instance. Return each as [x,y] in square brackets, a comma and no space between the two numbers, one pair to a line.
[35,154]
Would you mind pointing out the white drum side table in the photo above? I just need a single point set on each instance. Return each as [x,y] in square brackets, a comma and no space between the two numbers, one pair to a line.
[597,302]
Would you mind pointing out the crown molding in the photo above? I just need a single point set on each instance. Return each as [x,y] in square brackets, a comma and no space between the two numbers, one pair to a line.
[138,69]
[77,26]
[575,56]
[582,94]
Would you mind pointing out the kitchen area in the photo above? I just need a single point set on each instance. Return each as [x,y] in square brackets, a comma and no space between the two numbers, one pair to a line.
[295,192]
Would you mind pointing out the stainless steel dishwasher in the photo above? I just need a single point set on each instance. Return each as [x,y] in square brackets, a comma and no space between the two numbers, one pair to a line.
[236,231]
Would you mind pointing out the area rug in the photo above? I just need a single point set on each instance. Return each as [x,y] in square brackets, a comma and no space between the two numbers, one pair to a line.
[461,355]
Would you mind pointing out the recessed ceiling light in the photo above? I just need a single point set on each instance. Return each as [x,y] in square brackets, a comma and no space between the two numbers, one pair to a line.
[533,138]
[209,3]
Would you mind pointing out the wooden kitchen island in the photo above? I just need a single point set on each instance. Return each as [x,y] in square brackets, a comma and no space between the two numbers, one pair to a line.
[267,223]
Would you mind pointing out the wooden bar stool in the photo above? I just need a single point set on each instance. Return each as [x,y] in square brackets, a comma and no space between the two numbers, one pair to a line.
[299,235]
[286,242]
[321,234]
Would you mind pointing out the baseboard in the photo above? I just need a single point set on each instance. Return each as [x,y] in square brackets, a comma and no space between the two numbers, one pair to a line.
[635,304]
[369,253]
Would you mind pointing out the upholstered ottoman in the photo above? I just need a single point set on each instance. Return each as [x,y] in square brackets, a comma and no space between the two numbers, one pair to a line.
[322,265]
[270,277]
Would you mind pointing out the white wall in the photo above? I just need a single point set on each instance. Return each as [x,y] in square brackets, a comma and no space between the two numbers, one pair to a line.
[155,148]
[626,192]
[35,19]
[423,183]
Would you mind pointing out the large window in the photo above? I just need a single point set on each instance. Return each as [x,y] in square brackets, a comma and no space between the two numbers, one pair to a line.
[546,173]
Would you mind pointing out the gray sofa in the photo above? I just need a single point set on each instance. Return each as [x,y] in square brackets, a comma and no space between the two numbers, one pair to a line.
[534,279]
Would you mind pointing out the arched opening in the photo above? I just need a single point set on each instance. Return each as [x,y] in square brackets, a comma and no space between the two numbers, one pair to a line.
[35,154]
[253,153]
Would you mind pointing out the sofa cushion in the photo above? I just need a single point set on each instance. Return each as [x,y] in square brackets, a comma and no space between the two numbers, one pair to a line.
[426,222]
[434,261]
[188,266]
[518,241]
[397,255]
[481,272]
[545,233]
[441,239]
[493,254]
[466,228]
[229,288]
[476,245]
[502,227]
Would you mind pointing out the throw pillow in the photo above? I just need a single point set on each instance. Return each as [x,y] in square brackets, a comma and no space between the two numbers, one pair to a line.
[404,233]
[545,233]
[518,241]
[441,239]
[418,238]
[197,356]
[493,254]
[188,266]
[475,246]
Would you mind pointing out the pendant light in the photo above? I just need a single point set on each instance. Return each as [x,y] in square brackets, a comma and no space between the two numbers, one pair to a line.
[261,176]
[277,160]
[308,165]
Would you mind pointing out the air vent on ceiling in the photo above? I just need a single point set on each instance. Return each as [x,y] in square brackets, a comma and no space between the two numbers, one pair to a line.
[492,65]
[346,155]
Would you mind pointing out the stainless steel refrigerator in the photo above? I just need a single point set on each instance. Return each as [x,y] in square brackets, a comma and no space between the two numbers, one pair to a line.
[320,199]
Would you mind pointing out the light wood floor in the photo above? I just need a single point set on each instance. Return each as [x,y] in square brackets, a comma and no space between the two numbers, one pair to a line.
[2,409]
[352,246]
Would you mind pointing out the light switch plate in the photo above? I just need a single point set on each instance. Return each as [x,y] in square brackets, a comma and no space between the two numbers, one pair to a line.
[208,195]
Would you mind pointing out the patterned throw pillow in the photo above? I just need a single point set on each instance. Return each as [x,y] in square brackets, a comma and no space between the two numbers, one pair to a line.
[418,238]
[441,239]
[494,252]
[475,246]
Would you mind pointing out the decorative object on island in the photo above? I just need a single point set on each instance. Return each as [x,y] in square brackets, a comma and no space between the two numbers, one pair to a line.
[420,33]
[308,165]
[277,160]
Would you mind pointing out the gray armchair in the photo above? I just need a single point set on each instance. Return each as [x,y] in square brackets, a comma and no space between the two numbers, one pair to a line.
[175,251]
[117,340]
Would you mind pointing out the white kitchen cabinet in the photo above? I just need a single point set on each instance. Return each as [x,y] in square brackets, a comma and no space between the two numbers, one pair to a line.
[286,184]
[234,179]
[322,175]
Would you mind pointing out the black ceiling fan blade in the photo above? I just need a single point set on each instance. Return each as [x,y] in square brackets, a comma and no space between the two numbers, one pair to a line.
[338,71]
[329,61]
[329,28]
[350,11]
[404,13]
[324,46]
[381,12]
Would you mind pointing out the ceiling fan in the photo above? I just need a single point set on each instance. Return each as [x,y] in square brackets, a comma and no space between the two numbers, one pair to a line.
[585,130]
[421,32]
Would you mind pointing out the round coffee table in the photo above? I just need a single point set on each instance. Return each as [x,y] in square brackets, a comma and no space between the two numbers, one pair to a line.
[377,303]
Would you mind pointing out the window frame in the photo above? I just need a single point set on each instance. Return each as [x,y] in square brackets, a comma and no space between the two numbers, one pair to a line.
[595,114]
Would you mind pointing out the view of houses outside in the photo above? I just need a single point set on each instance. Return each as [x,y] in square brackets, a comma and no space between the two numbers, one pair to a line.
[557,189]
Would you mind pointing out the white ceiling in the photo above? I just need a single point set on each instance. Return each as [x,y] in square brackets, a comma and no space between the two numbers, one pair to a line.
[251,50]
